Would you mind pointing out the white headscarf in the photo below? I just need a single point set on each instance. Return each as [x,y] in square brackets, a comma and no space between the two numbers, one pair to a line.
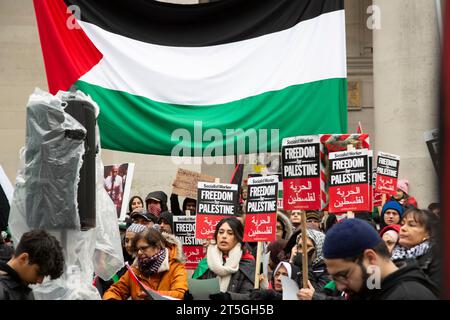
[288,267]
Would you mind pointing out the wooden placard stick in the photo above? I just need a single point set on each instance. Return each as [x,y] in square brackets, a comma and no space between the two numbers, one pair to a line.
[350,214]
[258,264]
[383,200]
[304,254]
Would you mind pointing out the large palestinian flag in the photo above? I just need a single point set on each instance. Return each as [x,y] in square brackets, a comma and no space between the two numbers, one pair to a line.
[155,68]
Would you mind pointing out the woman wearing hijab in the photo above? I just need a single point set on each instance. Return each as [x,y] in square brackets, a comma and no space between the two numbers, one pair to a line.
[284,268]
[317,270]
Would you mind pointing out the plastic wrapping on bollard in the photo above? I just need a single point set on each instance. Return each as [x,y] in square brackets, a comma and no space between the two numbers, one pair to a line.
[85,111]
[95,251]
[53,156]
[108,255]
[46,184]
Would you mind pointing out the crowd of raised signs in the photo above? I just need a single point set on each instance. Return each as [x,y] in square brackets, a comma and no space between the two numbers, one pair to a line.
[397,240]
[389,253]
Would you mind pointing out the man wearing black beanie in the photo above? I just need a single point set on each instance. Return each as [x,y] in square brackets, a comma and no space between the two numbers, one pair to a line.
[359,261]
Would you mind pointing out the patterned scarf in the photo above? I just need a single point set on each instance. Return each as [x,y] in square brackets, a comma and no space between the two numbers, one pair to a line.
[150,265]
[402,253]
[155,209]
[318,239]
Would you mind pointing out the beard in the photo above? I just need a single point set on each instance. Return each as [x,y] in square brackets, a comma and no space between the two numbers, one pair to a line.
[363,290]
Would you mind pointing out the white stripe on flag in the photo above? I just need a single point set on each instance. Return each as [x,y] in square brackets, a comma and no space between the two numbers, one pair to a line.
[312,50]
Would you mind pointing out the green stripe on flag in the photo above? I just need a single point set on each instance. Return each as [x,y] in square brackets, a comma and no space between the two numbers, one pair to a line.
[137,124]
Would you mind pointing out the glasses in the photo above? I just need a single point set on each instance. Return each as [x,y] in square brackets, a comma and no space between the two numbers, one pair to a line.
[343,276]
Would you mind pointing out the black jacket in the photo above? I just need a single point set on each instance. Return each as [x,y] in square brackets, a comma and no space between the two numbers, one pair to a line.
[242,281]
[11,286]
[317,275]
[430,263]
[6,252]
[407,283]
[175,205]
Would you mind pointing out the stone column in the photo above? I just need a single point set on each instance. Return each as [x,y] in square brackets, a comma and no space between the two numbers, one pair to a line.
[406,83]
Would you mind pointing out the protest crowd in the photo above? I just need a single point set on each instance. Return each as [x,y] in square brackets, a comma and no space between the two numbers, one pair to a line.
[330,221]
[399,239]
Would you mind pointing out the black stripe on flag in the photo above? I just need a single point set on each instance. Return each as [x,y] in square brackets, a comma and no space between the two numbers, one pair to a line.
[199,25]
[4,210]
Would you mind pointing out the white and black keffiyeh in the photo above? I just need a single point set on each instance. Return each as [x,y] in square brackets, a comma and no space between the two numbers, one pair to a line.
[402,253]
[318,238]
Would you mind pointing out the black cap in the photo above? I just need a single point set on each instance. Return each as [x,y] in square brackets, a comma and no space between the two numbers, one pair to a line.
[144,214]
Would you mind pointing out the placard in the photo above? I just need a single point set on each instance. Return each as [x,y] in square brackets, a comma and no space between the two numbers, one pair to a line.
[215,201]
[184,230]
[387,173]
[117,183]
[186,181]
[261,209]
[349,181]
[301,173]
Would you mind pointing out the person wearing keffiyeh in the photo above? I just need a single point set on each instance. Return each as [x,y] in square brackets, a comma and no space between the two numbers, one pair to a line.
[417,241]
[353,249]
[317,270]
[159,266]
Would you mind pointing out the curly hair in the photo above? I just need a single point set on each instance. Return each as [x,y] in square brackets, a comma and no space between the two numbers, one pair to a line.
[44,250]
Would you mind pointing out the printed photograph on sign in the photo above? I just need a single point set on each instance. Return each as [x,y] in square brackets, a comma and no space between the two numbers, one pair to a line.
[301,173]
[117,183]
[260,218]
[349,181]
[215,202]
